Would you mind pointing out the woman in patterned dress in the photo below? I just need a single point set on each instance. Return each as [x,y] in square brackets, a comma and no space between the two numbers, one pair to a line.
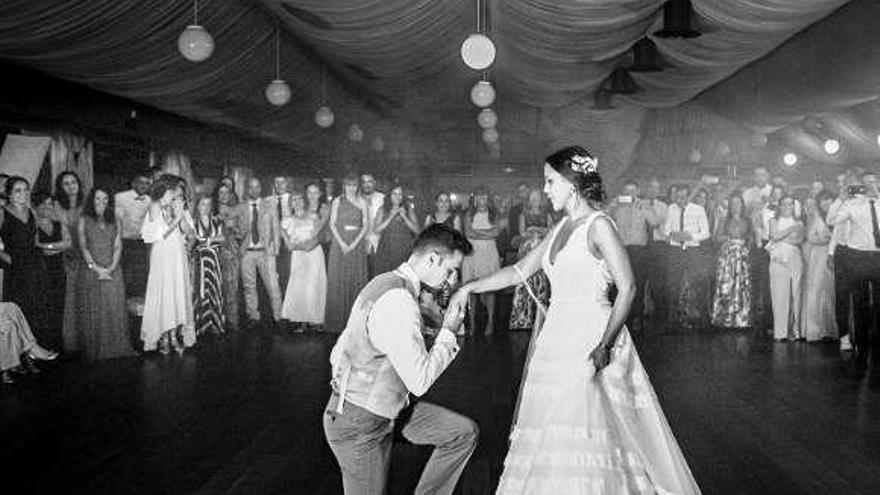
[534,224]
[230,261]
[732,304]
[210,316]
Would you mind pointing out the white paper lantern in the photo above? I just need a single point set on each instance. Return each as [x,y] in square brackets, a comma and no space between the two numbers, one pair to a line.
[790,159]
[278,92]
[324,117]
[478,52]
[355,133]
[195,43]
[490,135]
[696,156]
[378,144]
[483,94]
[487,118]
[832,146]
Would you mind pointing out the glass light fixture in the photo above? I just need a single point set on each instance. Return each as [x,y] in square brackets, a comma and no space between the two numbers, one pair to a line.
[483,94]
[278,92]
[832,146]
[195,42]
[790,159]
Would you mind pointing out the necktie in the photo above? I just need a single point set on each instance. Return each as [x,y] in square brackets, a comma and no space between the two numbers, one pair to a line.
[280,216]
[874,225]
[681,220]
[255,220]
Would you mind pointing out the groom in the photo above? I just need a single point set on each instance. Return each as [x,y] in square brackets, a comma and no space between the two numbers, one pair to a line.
[380,358]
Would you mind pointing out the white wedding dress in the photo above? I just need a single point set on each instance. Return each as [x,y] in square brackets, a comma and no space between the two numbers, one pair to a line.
[581,433]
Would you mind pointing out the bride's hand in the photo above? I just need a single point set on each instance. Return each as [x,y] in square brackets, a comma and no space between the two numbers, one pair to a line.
[601,357]
[459,300]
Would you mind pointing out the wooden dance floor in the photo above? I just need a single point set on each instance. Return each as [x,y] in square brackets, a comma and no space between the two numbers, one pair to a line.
[243,415]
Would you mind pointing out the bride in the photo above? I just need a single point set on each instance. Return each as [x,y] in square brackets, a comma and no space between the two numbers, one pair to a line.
[588,420]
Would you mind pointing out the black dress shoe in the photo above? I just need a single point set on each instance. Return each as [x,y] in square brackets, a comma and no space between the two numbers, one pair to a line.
[29,364]
[6,377]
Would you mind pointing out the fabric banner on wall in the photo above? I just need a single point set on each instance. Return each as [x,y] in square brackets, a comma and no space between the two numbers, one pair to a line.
[23,155]
[73,154]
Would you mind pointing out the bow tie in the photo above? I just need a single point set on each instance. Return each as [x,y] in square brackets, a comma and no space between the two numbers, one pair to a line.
[140,198]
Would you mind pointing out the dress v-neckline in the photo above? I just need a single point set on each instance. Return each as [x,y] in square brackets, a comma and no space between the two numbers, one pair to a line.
[552,257]
[14,215]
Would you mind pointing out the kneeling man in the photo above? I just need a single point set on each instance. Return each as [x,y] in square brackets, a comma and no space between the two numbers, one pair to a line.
[380,358]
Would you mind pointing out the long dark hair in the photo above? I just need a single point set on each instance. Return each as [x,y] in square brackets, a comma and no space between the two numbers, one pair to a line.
[322,198]
[744,214]
[570,162]
[387,205]
[89,208]
[62,198]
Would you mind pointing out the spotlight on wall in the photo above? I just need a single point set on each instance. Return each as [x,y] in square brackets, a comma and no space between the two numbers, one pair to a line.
[790,159]
[832,146]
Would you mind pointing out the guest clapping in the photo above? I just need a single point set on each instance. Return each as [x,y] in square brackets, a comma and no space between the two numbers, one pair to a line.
[397,225]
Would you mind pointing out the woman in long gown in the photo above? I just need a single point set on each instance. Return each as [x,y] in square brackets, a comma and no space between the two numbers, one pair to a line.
[25,278]
[818,315]
[482,227]
[397,223]
[588,420]
[69,201]
[305,300]
[53,238]
[347,263]
[210,307]
[732,304]
[534,224]
[168,312]
[230,261]
[102,321]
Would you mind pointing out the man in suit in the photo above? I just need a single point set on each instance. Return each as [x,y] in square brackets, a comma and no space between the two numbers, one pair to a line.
[279,202]
[258,251]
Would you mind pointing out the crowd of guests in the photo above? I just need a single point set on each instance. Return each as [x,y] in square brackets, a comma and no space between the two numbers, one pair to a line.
[800,264]
[78,264]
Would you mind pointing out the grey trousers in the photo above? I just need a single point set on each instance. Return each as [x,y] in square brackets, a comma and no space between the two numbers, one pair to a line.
[252,263]
[362,441]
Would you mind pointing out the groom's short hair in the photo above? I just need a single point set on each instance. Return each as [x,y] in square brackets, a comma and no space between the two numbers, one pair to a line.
[442,239]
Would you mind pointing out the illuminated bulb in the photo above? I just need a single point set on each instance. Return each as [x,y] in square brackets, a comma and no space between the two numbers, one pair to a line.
[790,159]
[832,146]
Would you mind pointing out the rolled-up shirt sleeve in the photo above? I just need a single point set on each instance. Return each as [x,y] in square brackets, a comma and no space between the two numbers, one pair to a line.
[394,328]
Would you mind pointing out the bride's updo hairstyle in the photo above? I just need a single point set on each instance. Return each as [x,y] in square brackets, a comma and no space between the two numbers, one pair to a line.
[581,168]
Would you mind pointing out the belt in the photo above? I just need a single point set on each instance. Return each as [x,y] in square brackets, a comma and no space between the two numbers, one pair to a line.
[256,249]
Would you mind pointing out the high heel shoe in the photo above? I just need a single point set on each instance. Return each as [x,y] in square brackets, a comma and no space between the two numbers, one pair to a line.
[30,366]
[165,345]
[42,354]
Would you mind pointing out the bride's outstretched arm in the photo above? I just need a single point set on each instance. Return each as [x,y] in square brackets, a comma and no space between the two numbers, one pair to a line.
[505,277]
[605,240]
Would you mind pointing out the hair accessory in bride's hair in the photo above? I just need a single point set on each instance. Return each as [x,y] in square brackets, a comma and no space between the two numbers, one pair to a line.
[584,164]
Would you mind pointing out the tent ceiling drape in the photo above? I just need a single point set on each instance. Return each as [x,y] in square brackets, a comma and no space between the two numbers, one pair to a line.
[393,66]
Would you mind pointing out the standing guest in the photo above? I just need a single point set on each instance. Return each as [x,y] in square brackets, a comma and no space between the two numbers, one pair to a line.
[25,278]
[860,213]
[481,228]
[347,270]
[102,321]
[279,203]
[818,318]
[210,307]
[69,200]
[4,200]
[317,204]
[230,255]
[168,313]
[657,251]
[757,196]
[732,304]
[373,200]
[18,347]
[786,270]
[53,238]
[817,187]
[534,224]
[635,219]
[305,301]
[838,258]
[443,213]
[520,203]
[687,227]
[762,309]
[258,251]
[131,208]
[397,224]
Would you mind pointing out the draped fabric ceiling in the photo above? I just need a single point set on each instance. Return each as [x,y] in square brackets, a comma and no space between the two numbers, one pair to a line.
[393,67]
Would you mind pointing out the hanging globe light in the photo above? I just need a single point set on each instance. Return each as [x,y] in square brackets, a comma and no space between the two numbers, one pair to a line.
[490,135]
[278,92]
[832,146]
[195,43]
[696,156]
[478,51]
[483,94]
[355,133]
[324,117]
[487,118]
[790,159]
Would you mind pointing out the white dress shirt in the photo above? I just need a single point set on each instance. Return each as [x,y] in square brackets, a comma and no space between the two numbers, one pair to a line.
[394,327]
[855,213]
[660,211]
[695,223]
[131,210]
[754,197]
[374,204]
